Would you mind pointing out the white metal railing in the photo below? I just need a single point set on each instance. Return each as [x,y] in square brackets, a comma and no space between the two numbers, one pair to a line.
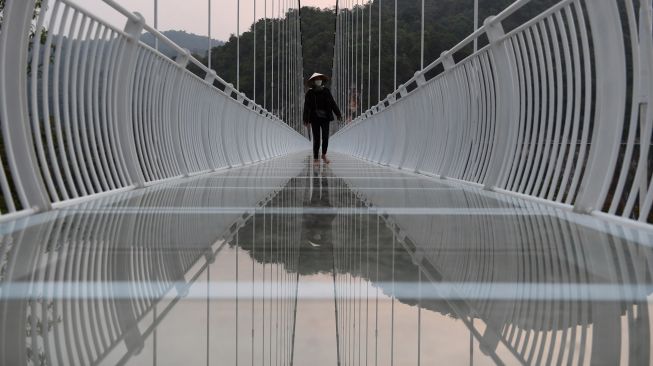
[85,109]
[557,109]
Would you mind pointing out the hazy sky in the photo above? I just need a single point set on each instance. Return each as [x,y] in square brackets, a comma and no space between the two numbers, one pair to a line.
[191,15]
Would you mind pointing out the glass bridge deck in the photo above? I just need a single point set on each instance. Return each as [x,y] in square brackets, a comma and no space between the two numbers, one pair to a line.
[352,264]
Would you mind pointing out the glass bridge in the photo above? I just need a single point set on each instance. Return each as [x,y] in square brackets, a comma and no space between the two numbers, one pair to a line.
[496,207]
[287,263]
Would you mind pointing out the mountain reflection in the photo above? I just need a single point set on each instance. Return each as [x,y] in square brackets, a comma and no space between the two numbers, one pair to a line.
[527,281]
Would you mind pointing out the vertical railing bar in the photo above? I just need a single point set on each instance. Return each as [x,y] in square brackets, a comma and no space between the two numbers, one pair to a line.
[36,123]
[92,109]
[587,112]
[570,97]
[68,146]
[80,138]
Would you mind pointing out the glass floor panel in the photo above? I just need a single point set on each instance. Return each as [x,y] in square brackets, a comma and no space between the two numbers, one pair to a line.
[288,263]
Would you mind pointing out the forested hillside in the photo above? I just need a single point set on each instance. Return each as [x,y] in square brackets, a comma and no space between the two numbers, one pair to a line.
[193,42]
[447,23]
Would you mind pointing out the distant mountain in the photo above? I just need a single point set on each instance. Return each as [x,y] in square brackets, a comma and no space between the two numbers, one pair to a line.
[195,43]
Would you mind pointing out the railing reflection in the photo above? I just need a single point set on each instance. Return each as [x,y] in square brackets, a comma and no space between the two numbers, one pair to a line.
[83,285]
[103,282]
[532,284]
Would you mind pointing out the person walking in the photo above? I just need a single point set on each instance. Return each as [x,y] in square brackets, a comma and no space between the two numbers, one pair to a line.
[319,107]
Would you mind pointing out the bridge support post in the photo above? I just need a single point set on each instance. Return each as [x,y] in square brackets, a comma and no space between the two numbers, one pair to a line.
[609,106]
[14,113]
[124,122]
[506,99]
[448,61]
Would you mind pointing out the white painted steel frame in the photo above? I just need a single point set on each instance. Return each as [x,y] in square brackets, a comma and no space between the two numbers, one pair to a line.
[86,108]
[544,110]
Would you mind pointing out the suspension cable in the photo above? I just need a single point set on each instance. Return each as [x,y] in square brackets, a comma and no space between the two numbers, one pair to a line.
[362,88]
[291,38]
[341,70]
[238,45]
[287,68]
[350,53]
[280,63]
[210,45]
[356,10]
[343,56]
[298,66]
[341,60]
[272,20]
[287,61]
[335,67]
[379,68]
[335,71]
[294,90]
[475,24]
[369,55]
[254,71]
[421,64]
[156,23]
[288,55]
[265,54]
[395,56]
[279,59]
[282,60]
[291,66]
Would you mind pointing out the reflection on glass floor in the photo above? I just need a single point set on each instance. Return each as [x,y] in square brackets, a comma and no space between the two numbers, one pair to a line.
[353,264]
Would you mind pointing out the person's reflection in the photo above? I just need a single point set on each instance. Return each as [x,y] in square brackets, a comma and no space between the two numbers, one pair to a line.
[317,223]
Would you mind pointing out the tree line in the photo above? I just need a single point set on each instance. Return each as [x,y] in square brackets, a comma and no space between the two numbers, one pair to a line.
[447,22]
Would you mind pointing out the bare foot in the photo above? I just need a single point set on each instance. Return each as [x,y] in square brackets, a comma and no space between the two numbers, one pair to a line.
[316,161]
[326,160]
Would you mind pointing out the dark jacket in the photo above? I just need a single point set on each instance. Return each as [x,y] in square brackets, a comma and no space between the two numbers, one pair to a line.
[320,99]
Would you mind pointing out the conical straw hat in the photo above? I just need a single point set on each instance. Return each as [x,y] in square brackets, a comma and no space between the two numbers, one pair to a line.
[317,75]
